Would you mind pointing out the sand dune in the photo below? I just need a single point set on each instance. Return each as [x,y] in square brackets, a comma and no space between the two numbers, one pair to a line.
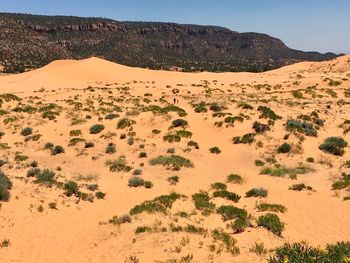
[64,99]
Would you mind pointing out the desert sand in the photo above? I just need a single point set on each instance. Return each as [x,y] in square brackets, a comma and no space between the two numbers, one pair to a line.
[45,224]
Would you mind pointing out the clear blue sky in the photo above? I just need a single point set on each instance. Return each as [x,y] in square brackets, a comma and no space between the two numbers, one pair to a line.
[312,25]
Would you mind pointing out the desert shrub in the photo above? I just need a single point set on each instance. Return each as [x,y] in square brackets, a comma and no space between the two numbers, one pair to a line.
[32,172]
[131,141]
[75,141]
[74,133]
[111,148]
[201,107]
[142,155]
[334,145]
[48,146]
[193,144]
[179,123]
[227,195]
[97,128]
[267,113]
[89,144]
[111,116]
[46,177]
[302,252]
[343,183]
[234,178]
[175,162]
[284,171]
[303,127]
[259,163]
[155,131]
[118,165]
[171,138]
[100,195]
[245,139]
[148,184]
[157,205]
[257,192]
[260,127]
[20,157]
[300,187]
[219,186]
[142,229]
[284,148]
[272,223]
[5,186]
[173,179]
[136,182]
[215,150]
[26,131]
[202,202]
[57,150]
[262,207]
[259,249]
[226,239]
[71,188]
[124,123]
[229,212]
[240,224]
[310,159]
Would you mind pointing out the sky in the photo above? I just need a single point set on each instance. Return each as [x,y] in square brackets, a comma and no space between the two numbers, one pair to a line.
[309,25]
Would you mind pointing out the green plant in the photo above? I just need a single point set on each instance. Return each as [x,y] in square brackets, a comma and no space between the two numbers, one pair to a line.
[334,145]
[284,148]
[57,150]
[229,212]
[100,195]
[111,148]
[118,165]
[245,139]
[300,187]
[179,123]
[26,131]
[175,162]
[283,171]
[234,178]
[5,243]
[5,186]
[259,249]
[262,207]
[259,163]
[240,224]
[97,128]
[219,186]
[136,182]
[257,192]
[215,150]
[272,223]
[71,188]
[202,202]
[227,195]
[46,177]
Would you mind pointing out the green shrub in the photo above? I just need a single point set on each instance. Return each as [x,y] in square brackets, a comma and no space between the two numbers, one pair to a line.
[100,195]
[173,180]
[272,223]
[267,113]
[229,212]
[97,128]
[303,127]
[219,186]
[26,131]
[5,186]
[111,148]
[259,163]
[57,150]
[193,144]
[334,145]
[215,150]
[283,171]
[343,183]
[46,177]
[300,187]
[142,229]
[284,148]
[71,188]
[202,202]
[157,205]
[124,123]
[74,133]
[175,162]
[235,178]
[262,207]
[245,139]
[310,160]
[179,123]
[118,165]
[136,182]
[240,224]
[260,127]
[302,252]
[257,192]
[227,195]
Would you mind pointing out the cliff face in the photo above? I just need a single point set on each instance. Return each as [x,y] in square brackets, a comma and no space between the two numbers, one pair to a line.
[28,41]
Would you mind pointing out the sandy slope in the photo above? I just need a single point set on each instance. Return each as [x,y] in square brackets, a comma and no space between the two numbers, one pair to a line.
[78,231]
